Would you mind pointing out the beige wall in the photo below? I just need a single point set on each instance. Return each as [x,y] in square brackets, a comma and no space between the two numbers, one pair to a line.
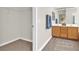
[43,34]
[15,22]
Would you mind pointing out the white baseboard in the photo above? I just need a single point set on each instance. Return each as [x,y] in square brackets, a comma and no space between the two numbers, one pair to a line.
[45,44]
[15,40]
[25,39]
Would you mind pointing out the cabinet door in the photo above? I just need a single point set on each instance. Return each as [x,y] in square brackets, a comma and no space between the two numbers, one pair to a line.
[64,32]
[56,31]
[72,32]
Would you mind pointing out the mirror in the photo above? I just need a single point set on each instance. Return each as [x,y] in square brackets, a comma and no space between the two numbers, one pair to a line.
[66,15]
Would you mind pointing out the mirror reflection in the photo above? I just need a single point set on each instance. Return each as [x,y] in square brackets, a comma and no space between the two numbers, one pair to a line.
[65,15]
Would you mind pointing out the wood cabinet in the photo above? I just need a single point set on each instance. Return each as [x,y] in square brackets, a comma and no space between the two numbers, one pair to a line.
[73,32]
[65,32]
[56,31]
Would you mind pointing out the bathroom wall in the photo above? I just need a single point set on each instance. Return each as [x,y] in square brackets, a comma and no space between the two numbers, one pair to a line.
[43,34]
[14,23]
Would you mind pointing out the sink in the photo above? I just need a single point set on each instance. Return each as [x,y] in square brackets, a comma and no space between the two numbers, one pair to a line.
[63,24]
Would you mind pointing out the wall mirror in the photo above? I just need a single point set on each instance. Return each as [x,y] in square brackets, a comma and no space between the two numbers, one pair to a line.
[66,15]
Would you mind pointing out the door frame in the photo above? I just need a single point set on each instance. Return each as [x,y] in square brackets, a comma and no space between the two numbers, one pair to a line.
[34,28]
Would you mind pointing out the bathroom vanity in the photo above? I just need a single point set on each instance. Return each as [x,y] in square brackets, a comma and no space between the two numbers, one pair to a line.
[65,24]
[69,31]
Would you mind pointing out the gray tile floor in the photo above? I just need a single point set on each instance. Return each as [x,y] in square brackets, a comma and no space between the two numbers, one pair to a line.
[19,45]
[58,44]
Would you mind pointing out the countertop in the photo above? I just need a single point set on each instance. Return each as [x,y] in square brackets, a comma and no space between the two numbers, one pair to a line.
[67,25]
